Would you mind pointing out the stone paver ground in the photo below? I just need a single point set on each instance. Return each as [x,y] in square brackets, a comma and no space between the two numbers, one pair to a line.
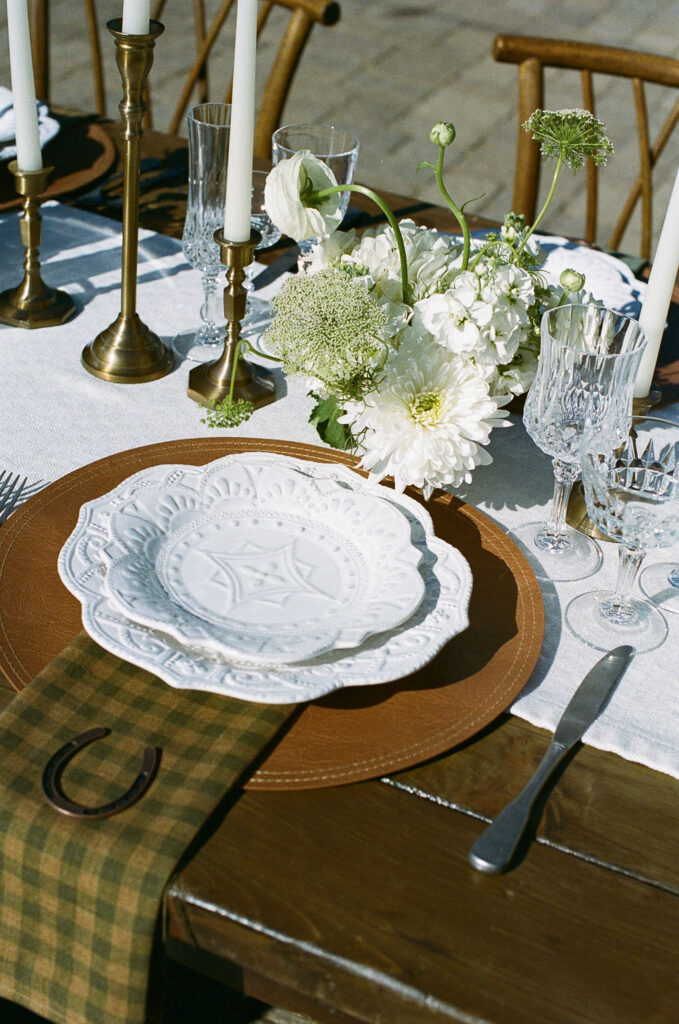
[390,68]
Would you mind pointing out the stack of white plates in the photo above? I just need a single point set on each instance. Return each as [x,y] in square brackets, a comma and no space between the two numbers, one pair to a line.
[265,577]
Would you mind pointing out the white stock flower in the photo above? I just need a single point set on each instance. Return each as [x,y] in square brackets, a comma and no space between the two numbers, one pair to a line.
[287,189]
[329,252]
[449,322]
[428,421]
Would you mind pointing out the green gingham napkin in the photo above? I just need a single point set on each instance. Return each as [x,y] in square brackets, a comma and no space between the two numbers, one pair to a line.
[80,900]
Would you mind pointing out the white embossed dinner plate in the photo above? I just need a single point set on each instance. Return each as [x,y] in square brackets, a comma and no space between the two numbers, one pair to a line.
[270,566]
[381,658]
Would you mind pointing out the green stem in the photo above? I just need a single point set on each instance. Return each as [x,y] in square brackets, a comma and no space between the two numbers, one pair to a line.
[245,344]
[455,210]
[332,189]
[487,247]
[543,211]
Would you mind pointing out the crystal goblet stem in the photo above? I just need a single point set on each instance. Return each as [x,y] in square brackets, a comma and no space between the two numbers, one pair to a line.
[553,537]
[209,332]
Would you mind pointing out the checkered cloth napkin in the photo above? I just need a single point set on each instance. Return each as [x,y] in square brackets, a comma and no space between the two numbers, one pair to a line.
[79,899]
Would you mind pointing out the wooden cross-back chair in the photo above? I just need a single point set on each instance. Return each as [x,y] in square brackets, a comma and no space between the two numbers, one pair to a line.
[303,14]
[533,55]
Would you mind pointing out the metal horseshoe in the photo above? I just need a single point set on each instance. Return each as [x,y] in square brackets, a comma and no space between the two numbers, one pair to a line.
[51,779]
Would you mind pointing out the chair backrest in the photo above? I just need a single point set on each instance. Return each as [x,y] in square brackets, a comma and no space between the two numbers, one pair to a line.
[295,20]
[533,55]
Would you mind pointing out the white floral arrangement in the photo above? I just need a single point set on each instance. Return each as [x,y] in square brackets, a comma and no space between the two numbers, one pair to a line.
[412,341]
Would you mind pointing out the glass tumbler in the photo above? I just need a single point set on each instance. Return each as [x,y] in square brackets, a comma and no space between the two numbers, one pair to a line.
[208,131]
[632,491]
[334,146]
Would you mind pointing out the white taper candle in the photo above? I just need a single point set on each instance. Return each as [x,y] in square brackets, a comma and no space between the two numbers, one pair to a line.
[239,173]
[29,157]
[136,17]
[659,293]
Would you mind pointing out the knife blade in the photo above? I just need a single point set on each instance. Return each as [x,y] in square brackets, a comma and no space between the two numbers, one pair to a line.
[495,848]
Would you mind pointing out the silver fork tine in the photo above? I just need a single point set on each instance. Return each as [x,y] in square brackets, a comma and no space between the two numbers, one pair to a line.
[8,500]
[5,478]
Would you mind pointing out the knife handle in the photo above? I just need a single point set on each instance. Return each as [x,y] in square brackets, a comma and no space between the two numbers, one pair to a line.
[494,849]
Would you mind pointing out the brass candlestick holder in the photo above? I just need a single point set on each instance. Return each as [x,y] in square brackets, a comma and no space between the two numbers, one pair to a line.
[128,352]
[33,303]
[210,383]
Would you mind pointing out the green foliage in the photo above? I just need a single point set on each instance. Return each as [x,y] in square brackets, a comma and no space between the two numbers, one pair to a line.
[228,413]
[324,418]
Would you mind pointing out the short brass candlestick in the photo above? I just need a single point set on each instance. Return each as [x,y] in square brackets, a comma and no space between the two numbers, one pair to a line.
[32,303]
[210,383]
[127,352]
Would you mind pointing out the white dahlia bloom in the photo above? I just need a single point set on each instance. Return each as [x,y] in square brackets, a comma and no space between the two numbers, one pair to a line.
[429,420]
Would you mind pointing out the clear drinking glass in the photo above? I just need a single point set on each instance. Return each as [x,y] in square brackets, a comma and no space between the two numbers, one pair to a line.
[631,485]
[589,357]
[208,130]
[258,311]
[334,146]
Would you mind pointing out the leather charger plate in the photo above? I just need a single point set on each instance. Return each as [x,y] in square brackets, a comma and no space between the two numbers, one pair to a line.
[352,734]
[80,154]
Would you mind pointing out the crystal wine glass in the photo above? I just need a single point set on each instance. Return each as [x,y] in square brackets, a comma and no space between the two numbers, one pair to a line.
[208,129]
[660,584]
[589,357]
[632,491]
[334,146]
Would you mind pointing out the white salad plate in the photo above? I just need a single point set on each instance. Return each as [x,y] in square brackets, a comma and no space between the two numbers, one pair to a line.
[256,561]
[383,657]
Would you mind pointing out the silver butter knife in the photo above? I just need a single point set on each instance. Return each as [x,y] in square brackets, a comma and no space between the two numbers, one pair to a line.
[493,851]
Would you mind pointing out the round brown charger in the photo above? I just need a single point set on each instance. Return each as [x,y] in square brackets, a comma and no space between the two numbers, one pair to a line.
[80,154]
[352,734]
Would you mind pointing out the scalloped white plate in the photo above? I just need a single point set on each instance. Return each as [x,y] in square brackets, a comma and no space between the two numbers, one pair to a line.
[271,566]
[381,658]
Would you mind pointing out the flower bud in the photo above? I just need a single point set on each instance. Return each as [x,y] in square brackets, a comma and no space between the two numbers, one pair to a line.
[571,280]
[442,134]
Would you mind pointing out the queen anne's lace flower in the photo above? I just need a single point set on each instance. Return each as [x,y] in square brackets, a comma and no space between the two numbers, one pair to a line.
[429,420]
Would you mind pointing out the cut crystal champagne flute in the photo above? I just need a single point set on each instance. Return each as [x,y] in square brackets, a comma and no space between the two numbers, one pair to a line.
[208,130]
[589,357]
[337,148]
[631,483]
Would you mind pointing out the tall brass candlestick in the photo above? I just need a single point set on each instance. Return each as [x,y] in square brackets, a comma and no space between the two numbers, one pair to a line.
[127,352]
[32,303]
[210,383]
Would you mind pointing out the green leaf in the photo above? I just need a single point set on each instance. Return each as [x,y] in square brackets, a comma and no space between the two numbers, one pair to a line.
[324,417]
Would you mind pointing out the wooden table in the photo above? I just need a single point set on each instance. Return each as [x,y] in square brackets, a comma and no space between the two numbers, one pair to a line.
[358,903]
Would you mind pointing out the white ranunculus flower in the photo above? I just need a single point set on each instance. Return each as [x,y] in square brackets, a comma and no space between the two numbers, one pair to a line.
[429,420]
[288,185]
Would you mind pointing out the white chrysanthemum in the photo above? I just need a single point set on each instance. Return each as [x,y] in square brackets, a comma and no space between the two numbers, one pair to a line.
[429,420]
